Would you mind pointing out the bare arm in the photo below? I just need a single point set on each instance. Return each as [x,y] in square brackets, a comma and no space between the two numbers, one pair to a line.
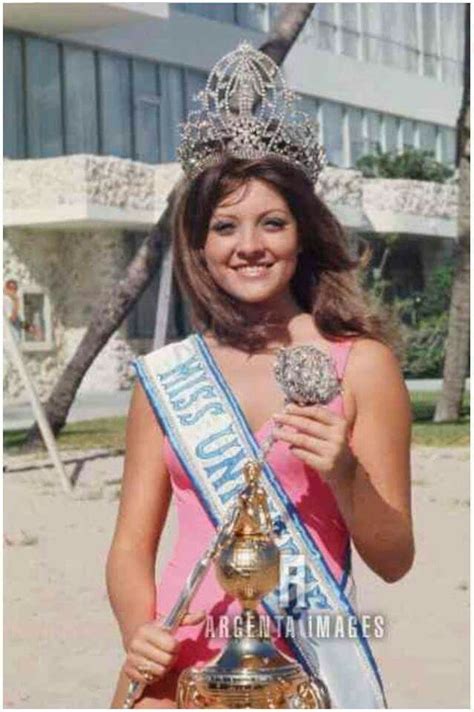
[375,500]
[370,478]
[144,504]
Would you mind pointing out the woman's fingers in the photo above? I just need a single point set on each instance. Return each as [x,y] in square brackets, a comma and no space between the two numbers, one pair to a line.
[304,425]
[136,665]
[160,638]
[193,618]
[301,440]
[317,412]
[155,654]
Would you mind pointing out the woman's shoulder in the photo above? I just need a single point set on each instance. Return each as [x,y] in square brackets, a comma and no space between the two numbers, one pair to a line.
[373,366]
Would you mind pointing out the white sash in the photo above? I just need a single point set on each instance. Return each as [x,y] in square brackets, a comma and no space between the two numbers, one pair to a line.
[212,440]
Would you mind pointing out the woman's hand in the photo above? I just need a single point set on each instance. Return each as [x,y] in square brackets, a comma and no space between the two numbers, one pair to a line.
[153,650]
[318,437]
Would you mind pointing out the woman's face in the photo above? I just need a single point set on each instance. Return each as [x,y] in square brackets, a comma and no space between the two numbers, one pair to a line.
[251,248]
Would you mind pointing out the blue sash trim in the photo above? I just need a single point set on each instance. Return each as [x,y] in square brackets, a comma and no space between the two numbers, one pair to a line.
[309,541]
[168,429]
[349,665]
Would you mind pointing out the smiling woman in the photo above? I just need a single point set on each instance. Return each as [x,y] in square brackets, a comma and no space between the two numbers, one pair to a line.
[264,265]
[252,255]
[239,215]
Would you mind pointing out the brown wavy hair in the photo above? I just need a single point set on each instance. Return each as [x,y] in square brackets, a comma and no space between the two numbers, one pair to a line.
[326,282]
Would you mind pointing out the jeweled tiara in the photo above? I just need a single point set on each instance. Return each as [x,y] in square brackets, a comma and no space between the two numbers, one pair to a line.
[248,111]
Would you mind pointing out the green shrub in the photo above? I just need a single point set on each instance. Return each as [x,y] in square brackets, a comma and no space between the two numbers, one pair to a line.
[424,318]
[411,163]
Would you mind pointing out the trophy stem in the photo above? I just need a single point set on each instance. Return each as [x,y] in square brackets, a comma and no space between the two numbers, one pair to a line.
[250,672]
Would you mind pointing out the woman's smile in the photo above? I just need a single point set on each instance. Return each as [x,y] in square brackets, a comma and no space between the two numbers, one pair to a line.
[253,271]
[251,249]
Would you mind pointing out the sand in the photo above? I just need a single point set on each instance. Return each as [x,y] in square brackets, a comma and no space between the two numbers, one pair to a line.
[61,643]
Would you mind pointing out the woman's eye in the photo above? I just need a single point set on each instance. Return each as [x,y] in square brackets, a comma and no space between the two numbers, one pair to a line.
[221,227]
[275,223]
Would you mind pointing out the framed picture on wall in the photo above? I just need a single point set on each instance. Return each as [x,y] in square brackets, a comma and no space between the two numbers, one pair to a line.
[35,310]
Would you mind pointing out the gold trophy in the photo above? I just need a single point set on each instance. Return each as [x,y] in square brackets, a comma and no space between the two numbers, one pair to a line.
[250,672]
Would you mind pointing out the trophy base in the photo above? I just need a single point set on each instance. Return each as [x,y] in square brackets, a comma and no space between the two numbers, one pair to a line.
[259,677]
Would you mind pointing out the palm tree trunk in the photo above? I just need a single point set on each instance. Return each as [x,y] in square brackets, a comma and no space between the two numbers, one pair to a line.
[114,305]
[457,342]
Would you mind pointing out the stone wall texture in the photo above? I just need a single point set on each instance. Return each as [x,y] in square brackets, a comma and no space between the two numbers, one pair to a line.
[414,197]
[74,269]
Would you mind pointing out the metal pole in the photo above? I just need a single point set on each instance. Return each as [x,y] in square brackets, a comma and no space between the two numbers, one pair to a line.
[38,409]
[164,297]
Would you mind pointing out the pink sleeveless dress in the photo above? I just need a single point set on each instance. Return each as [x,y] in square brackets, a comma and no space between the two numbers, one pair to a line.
[315,504]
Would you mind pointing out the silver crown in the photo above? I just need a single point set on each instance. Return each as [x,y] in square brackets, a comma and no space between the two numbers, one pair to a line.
[248,111]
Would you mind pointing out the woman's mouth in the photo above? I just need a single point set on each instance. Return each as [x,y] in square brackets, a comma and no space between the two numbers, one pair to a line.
[253,270]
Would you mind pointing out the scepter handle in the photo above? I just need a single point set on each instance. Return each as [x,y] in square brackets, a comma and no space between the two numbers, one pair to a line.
[175,616]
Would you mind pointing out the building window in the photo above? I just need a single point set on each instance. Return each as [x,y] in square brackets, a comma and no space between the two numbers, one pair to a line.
[357,148]
[373,134]
[62,99]
[422,38]
[430,39]
[427,134]
[332,131]
[80,101]
[147,111]
[391,133]
[326,26]
[408,134]
[44,131]
[253,15]
[349,29]
[35,310]
[448,145]
[115,105]
[451,35]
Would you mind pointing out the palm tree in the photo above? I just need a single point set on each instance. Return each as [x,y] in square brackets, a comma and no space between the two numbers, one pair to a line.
[114,305]
[457,342]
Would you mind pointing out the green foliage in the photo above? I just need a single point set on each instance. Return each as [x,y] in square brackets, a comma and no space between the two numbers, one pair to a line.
[424,318]
[411,163]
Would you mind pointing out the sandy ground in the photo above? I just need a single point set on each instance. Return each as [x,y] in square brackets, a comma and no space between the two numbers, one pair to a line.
[61,643]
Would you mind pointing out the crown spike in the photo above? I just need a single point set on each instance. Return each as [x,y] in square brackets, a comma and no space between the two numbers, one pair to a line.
[248,111]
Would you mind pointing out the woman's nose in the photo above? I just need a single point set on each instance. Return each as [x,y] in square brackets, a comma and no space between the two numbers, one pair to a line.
[250,242]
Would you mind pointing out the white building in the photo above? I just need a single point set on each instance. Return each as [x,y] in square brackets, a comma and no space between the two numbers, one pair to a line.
[94,93]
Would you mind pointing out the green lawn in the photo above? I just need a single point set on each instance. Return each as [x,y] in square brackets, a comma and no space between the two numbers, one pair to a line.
[110,432]
[87,434]
[425,432]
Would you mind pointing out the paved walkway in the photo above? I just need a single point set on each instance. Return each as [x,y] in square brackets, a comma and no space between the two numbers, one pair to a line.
[88,406]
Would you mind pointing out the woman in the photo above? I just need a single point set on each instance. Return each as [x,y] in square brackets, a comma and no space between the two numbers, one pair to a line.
[265,265]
